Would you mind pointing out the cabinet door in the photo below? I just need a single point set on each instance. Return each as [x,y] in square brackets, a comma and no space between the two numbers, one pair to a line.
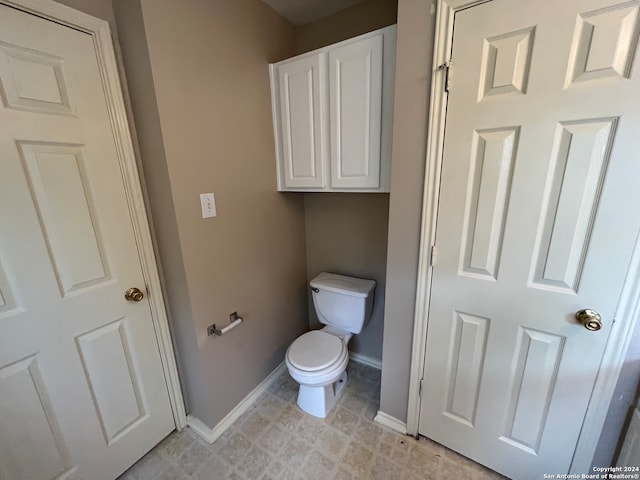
[355,93]
[302,120]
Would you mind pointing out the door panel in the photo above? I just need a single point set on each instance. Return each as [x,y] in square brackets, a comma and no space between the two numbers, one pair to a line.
[34,80]
[355,109]
[303,122]
[506,60]
[106,354]
[535,222]
[577,169]
[81,381]
[25,396]
[604,43]
[466,357]
[63,205]
[536,358]
[494,152]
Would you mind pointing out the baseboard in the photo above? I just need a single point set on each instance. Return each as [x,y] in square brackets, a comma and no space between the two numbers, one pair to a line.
[372,362]
[211,434]
[201,429]
[391,422]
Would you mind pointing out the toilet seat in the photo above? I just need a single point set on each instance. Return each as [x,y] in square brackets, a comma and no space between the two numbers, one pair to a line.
[315,351]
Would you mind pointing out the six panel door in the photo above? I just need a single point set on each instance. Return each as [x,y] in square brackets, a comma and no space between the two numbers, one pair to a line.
[537,219]
[82,391]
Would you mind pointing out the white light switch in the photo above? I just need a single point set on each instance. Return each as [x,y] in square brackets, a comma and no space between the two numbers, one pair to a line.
[208,202]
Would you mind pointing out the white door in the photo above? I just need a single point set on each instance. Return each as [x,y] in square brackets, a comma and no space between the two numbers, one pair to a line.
[355,111]
[82,391]
[302,97]
[537,220]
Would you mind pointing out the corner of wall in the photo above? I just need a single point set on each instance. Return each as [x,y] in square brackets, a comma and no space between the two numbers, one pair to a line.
[416,27]
[152,158]
[361,18]
[202,105]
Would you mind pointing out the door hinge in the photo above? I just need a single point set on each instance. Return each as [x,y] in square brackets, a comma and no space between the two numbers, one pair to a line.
[432,256]
[446,66]
[420,391]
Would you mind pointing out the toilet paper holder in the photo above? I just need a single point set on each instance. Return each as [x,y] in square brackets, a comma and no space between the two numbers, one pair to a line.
[234,321]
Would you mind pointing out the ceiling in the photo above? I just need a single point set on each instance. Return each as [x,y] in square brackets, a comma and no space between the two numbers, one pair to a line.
[300,12]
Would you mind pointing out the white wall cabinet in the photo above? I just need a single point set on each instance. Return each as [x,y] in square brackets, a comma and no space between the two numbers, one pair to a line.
[333,116]
[301,86]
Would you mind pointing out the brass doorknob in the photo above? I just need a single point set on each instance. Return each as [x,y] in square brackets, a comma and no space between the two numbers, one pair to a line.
[133,294]
[590,319]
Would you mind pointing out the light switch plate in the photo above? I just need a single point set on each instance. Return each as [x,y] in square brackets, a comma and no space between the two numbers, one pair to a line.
[208,203]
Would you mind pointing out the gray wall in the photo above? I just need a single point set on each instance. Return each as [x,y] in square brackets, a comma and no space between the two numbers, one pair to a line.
[98,8]
[347,233]
[623,402]
[350,22]
[413,83]
[199,86]
[161,207]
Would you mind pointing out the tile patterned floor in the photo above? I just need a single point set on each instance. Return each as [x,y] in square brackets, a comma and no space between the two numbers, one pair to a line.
[276,440]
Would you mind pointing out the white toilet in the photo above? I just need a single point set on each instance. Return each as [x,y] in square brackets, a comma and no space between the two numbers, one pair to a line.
[318,360]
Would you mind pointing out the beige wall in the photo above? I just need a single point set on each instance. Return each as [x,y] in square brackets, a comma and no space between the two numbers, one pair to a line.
[361,18]
[413,83]
[200,89]
[347,233]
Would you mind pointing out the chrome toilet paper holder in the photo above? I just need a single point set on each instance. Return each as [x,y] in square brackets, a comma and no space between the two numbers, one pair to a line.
[234,321]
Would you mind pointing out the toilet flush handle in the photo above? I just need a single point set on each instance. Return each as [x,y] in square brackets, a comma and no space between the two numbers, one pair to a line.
[314,289]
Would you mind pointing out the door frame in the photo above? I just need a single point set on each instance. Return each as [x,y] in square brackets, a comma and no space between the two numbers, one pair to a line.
[628,308]
[108,66]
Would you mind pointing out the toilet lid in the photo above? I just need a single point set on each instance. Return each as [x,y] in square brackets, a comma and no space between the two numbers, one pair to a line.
[315,350]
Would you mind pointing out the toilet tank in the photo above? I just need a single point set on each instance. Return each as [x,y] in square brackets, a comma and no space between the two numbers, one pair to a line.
[343,302]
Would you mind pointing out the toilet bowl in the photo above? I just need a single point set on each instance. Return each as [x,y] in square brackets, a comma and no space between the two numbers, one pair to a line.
[318,360]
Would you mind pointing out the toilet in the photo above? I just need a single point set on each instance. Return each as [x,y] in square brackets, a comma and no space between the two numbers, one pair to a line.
[318,360]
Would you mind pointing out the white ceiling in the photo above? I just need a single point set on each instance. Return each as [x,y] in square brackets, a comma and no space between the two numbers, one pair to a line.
[300,12]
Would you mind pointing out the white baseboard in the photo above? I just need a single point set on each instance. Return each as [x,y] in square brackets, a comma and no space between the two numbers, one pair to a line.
[202,429]
[211,434]
[372,362]
[391,422]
